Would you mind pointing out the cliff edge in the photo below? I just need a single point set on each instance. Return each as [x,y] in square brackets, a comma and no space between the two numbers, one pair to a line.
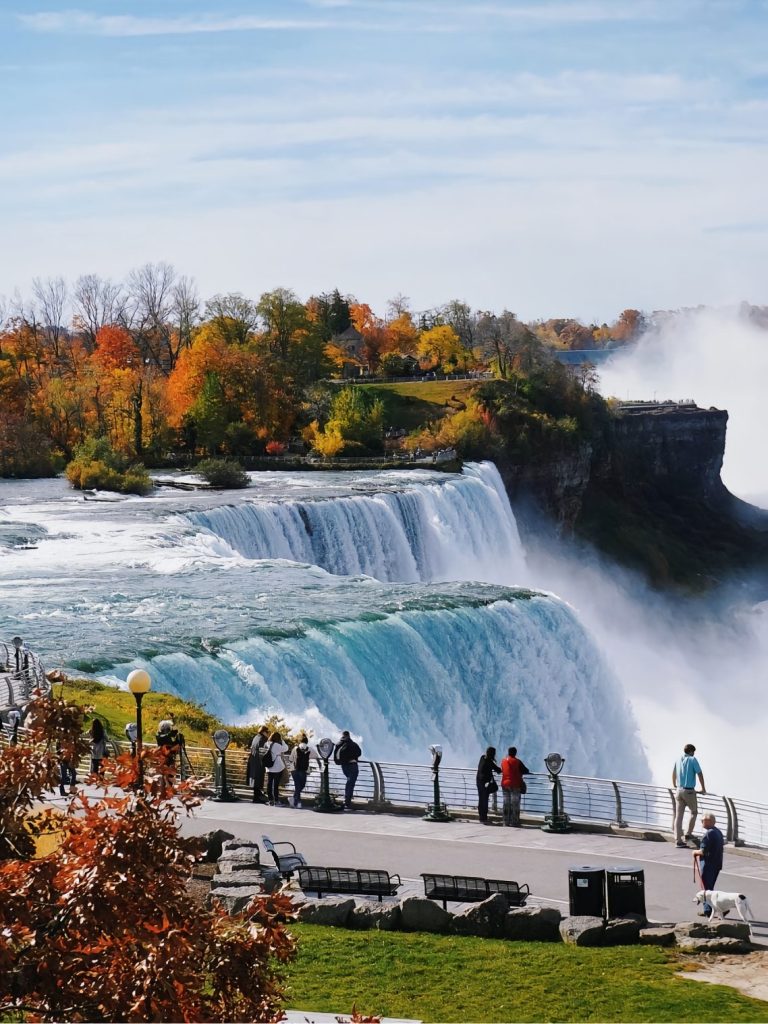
[644,486]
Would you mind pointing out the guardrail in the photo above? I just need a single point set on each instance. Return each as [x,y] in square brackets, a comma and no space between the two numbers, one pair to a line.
[386,786]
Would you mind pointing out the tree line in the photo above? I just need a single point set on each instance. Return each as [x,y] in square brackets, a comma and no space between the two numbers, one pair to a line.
[151,368]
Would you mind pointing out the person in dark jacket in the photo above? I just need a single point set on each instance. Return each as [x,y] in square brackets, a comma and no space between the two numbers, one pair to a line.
[98,746]
[709,857]
[346,754]
[300,757]
[486,784]
[255,771]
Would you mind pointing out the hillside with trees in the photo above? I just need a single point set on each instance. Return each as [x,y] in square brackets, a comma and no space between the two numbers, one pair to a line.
[160,377]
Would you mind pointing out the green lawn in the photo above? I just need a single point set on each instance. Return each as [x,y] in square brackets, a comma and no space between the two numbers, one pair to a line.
[413,404]
[447,978]
[118,707]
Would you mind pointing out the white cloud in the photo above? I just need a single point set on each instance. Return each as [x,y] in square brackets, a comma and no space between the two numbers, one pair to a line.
[84,23]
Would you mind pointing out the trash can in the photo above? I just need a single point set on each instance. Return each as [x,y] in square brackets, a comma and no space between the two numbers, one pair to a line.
[586,891]
[625,890]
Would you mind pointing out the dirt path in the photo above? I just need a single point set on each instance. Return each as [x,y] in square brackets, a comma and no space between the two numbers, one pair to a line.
[748,973]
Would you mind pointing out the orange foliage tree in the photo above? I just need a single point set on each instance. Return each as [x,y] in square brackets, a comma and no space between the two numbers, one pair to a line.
[103,928]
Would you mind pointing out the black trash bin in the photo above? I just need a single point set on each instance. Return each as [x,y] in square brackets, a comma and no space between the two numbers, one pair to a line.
[586,891]
[625,890]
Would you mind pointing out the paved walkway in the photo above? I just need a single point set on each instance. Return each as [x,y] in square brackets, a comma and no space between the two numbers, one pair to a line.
[409,845]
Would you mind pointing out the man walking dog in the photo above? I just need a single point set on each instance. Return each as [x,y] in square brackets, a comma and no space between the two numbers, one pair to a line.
[709,858]
[687,769]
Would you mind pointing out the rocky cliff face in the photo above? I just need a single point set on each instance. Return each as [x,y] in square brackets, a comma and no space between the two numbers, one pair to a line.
[646,489]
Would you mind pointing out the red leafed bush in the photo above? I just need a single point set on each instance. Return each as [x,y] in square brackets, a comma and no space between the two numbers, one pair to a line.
[275,448]
[103,927]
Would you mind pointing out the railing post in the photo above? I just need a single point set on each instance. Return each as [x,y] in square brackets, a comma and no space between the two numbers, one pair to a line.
[737,841]
[619,816]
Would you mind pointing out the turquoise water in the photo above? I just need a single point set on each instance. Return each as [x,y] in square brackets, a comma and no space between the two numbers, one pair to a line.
[381,602]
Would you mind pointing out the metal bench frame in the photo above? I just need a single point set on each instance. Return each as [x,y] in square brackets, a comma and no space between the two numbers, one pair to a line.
[469,889]
[349,881]
[288,862]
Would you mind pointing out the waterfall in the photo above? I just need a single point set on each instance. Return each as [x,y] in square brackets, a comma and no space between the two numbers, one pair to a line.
[457,527]
[515,671]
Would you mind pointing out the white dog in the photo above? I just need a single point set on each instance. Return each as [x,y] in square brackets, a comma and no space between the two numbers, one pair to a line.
[722,902]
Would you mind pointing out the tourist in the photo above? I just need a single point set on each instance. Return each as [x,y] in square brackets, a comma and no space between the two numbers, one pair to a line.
[486,784]
[67,773]
[254,774]
[275,765]
[131,734]
[300,758]
[347,754]
[512,786]
[684,774]
[709,857]
[14,722]
[98,746]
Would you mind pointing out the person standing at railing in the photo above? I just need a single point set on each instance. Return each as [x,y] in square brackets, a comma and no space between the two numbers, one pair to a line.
[300,756]
[131,734]
[486,784]
[67,774]
[512,786]
[98,746]
[347,754]
[14,721]
[684,774]
[254,773]
[275,765]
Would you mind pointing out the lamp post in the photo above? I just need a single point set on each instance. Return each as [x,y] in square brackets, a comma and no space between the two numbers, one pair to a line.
[325,803]
[558,820]
[223,794]
[139,683]
[436,811]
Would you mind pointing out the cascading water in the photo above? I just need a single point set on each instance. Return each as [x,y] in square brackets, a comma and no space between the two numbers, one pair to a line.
[519,669]
[452,528]
[318,597]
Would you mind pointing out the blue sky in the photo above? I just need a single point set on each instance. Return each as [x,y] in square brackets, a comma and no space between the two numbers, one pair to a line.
[553,158]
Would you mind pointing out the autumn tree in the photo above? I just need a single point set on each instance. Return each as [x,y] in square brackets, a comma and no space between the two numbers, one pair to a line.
[356,421]
[441,346]
[102,928]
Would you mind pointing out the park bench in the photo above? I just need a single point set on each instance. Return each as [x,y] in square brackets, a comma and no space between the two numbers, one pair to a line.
[286,862]
[348,881]
[466,889]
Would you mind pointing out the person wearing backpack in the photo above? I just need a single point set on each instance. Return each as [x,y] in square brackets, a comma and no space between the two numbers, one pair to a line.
[256,768]
[275,765]
[346,754]
[301,756]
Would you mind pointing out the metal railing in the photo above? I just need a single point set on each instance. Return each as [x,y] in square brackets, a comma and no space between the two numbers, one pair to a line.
[386,786]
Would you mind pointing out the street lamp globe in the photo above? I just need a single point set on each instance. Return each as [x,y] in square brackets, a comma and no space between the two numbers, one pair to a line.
[139,682]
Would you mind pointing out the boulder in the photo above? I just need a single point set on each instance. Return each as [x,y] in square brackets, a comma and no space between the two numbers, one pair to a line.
[485,919]
[713,937]
[718,944]
[663,935]
[582,931]
[418,914]
[239,855]
[621,931]
[383,917]
[533,924]
[234,899]
[331,910]
[705,929]
[213,843]
[267,878]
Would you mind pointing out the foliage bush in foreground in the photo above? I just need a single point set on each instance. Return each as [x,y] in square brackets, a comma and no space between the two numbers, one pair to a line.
[97,465]
[223,473]
[102,928]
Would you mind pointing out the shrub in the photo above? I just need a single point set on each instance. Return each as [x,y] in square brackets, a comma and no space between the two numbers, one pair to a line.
[223,473]
[275,448]
[97,465]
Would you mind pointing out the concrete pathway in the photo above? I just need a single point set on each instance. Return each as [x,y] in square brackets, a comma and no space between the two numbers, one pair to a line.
[408,846]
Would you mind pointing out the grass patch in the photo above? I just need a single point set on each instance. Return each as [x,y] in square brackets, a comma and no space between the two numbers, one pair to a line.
[412,405]
[451,978]
[118,707]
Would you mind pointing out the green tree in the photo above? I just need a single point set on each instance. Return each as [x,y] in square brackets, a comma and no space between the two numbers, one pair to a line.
[209,414]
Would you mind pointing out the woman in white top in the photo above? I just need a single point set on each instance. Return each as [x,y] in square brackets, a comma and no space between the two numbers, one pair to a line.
[275,765]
